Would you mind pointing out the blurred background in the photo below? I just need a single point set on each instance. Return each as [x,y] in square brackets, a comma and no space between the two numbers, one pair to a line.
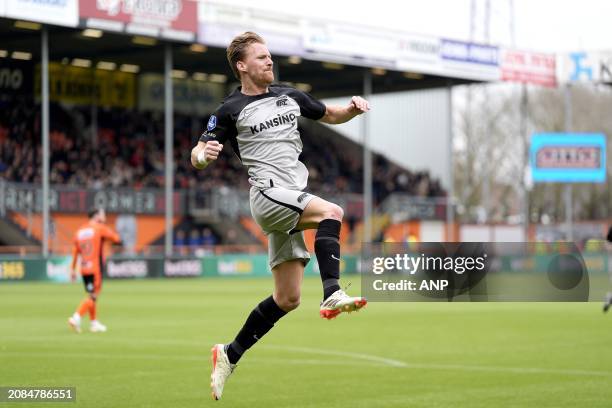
[102,101]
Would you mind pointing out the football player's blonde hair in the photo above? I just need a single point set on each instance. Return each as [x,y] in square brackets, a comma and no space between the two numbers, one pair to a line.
[237,49]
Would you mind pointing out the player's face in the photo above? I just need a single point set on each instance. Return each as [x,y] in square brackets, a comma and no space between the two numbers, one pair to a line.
[258,64]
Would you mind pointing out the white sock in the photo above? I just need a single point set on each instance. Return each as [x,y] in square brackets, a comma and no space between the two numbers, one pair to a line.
[95,321]
[77,317]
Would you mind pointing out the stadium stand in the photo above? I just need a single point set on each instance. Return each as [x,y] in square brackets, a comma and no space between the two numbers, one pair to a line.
[119,148]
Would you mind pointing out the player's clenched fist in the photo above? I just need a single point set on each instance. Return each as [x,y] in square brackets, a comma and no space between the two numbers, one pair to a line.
[204,153]
[359,105]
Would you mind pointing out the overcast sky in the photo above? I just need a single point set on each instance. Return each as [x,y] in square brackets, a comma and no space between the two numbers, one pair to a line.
[540,25]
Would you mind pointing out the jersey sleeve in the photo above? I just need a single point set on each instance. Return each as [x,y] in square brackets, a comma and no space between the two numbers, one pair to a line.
[108,233]
[310,107]
[220,127]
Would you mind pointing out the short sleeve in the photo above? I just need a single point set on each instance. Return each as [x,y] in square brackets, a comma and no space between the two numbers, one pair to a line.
[219,127]
[310,107]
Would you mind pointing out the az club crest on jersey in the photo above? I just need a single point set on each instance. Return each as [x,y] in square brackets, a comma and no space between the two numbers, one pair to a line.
[212,123]
[282,101]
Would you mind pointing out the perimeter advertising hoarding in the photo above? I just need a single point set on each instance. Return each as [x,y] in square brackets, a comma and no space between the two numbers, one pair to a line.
[58,12]
[171,19]
[568,157]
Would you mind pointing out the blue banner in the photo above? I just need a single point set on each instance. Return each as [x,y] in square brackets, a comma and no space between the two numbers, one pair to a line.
[568,157]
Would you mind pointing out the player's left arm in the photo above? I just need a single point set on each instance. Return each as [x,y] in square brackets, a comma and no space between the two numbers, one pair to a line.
[335,114]
[75,256]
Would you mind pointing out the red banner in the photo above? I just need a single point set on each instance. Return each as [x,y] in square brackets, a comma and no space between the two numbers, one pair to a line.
[174,19]
[529,67]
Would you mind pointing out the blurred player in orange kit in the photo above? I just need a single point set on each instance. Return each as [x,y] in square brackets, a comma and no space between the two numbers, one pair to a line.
[89,245]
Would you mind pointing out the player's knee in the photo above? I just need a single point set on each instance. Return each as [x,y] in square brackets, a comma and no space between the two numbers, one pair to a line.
[289,303]
[334,212]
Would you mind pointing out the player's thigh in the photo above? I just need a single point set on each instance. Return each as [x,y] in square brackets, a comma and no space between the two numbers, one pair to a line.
[288,277]
[88,283]
[318,210]
[278,208]
[97,284]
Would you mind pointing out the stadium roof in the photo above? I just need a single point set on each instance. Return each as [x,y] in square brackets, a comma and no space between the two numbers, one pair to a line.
[326,79]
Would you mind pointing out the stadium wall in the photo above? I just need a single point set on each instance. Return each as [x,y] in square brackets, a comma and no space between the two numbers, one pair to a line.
[409,128]
[57,268]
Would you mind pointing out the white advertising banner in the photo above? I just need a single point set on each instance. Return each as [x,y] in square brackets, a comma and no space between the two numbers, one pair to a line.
[585,67]
[58,12]
[218,24]
[353,44]
[418,54]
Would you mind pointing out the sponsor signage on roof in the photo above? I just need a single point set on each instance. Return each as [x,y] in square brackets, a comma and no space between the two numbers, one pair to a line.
[351,44]
[190,97]
[218,24]
[585,67]
[171,19]
[418,53]
[462,59]
[568,157]
[58,12]
[528,67]
[471,53]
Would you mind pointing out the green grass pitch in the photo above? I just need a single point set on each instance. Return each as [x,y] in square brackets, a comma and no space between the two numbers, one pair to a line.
[156,352]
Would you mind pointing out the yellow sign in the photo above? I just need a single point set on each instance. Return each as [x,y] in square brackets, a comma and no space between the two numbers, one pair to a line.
[12,270]
[88,86]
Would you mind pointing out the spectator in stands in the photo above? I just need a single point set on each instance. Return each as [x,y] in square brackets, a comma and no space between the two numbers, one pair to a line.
[195,240]
[119,156]
[208,238]
[231,237]
[180,238]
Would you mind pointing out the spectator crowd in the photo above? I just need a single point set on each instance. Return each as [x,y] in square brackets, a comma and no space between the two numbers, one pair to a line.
[125,148]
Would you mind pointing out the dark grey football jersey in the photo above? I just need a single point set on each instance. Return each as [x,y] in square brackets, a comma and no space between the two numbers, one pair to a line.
[263,131]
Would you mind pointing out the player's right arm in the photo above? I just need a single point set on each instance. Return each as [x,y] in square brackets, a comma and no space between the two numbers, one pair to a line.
[109,234]
[204,153]
[218,129]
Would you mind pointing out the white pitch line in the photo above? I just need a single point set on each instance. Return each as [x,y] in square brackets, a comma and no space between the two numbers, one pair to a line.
[366,359]
[150,357]
[359,356]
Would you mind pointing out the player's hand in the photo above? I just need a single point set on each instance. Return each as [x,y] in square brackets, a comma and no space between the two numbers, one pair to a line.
[210,152]
[72,276]
[359,105]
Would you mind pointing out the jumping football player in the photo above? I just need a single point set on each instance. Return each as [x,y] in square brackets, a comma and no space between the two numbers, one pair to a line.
[260,121]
